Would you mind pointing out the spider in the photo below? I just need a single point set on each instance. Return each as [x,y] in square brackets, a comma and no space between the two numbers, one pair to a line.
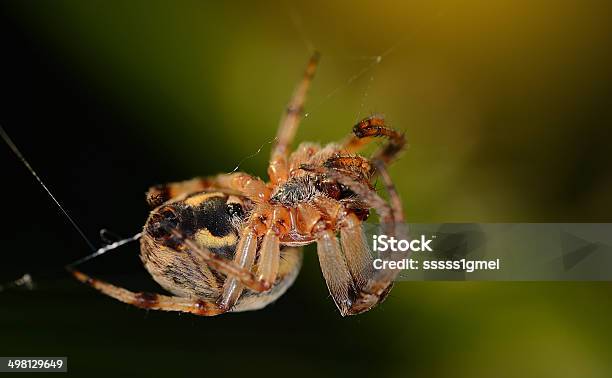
[231,242]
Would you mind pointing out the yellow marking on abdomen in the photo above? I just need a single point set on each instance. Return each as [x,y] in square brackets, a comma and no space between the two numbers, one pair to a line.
[205,238]
[199,198]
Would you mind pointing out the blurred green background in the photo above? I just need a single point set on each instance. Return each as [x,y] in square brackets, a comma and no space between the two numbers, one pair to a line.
[506,106]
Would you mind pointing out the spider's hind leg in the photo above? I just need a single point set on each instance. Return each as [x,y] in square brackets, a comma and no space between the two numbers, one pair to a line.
[238,183]
[151,300]
[158,194]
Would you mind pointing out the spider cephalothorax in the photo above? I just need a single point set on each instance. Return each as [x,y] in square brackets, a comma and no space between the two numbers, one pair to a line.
[231,242]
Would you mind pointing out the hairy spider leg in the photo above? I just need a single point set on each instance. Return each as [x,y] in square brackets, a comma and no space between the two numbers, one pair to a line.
[278,170]
[368,287]
[151,301]
[372,127]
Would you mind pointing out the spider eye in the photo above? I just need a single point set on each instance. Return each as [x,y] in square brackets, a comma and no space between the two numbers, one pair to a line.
[162,221]
[235,210]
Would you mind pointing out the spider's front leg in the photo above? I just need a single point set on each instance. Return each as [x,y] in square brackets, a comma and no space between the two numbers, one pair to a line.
[278,169]
[374,127]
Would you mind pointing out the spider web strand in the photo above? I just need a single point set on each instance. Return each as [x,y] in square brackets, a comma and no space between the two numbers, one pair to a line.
[16,151]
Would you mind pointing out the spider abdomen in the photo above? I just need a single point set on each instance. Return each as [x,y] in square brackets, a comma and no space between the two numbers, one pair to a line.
[213,220]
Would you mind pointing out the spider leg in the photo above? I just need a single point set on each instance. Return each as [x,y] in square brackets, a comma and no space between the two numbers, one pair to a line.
[380,282]
[351,280]
[237,269]
[278,168]
[366,194]
[372,286]
[355,248]
[269,257]
[251,187]
[158,194]
[246,251]
[303,153]
[334,267]
[369,128]
[244,259]
[151,300]
[353,283]
[235,183]
[354,166]
[290,260]
[394,199]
